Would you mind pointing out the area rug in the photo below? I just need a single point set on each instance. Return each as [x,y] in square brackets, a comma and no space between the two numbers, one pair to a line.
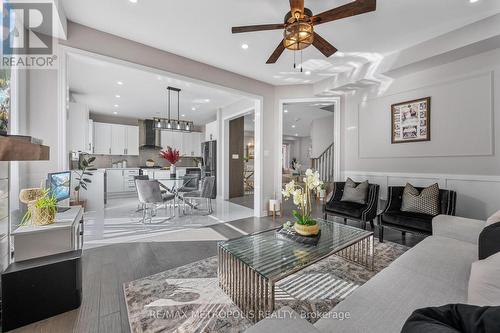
[187,299]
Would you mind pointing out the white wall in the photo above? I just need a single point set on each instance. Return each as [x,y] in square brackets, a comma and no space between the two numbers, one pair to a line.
[322,133]
[462,154]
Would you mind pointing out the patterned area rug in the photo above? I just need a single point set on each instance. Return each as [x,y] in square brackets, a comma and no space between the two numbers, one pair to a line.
[188,299]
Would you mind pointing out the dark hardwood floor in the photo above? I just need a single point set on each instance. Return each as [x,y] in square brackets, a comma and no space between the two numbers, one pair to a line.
[106,268]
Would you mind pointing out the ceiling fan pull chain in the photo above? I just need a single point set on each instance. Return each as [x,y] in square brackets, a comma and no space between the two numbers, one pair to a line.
[294,62]
[301,62]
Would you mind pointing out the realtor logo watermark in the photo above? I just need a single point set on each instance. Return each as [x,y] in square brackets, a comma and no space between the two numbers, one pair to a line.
[27,35]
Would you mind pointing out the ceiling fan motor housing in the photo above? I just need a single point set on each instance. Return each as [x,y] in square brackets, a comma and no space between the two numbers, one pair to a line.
[298,33]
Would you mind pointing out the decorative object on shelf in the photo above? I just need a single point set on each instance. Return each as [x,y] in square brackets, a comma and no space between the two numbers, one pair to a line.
[172,156]
[84,168]
[274,207]
[150,163]
[411,121]
[42,210]
[169,124]
[304,224]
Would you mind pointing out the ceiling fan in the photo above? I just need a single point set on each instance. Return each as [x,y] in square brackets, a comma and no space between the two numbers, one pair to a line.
[299,26]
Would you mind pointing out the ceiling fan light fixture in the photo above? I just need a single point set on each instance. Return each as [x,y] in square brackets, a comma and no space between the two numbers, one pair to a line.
[298,35]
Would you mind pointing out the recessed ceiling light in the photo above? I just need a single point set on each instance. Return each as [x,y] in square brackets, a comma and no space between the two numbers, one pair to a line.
[183,115]
[307,73]
[207,100]
[473,1]
[117,96]
[133,1]
[296,134]
[286,111]
[244,46]
[116,105]
[119,83]
[193,108]
[293,126]
[114,112]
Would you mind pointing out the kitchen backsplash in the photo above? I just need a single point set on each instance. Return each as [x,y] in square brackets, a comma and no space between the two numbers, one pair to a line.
[106,161]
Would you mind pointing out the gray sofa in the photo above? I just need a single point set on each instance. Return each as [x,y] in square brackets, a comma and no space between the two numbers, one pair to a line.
[433,273]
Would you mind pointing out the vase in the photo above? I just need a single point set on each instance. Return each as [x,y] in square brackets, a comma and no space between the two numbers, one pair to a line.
[172,170]
[43,216]
[306,230]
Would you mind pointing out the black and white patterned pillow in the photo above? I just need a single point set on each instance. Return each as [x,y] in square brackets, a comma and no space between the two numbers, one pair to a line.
[425,202]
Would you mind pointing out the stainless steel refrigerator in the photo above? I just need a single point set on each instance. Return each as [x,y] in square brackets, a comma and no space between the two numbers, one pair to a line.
[209,154]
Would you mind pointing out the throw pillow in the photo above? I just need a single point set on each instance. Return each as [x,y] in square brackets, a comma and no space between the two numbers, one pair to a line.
[484,282]
[489,241]
[493,219]
[424,202]
[355,193]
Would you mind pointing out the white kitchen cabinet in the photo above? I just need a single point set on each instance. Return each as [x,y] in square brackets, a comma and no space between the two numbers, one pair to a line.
[196,139]
[211,131]
[118,139]
[78,131]
[114,180]
[115,139]
[132,140]
[121,180]
[189,144]
[102,138]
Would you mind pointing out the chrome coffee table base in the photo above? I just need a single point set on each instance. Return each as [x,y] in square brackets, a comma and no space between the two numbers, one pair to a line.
[254,294]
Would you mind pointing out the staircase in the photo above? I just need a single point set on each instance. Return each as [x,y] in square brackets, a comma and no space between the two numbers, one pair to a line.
[324,165]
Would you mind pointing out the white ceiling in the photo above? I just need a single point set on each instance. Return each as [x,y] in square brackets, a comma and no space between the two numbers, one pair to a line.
[143,94]
[201,30]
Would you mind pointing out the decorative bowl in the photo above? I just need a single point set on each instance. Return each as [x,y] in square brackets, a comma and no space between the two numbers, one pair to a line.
[306,230]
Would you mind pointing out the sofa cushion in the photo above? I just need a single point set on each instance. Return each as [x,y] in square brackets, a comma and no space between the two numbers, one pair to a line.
[346,208]
[444,259]
[411,220]
[383,304]
[489,241]
[425,201]
[493,219]
[484,282]
[356,193]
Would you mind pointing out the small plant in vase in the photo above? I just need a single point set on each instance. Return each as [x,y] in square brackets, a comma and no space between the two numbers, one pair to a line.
[41,211]
[302,197]
[172,156]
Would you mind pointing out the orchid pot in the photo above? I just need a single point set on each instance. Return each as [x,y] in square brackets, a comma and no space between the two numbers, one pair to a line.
[302,197]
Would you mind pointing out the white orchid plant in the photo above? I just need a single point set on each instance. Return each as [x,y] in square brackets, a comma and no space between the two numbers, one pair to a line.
[302,196]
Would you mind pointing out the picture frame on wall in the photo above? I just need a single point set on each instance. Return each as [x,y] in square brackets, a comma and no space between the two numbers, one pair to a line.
[411,121]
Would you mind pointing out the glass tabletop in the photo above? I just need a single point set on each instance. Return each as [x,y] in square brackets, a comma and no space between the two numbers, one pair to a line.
[274,257]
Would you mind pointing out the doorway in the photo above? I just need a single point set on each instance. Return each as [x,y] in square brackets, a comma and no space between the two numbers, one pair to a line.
[241,160]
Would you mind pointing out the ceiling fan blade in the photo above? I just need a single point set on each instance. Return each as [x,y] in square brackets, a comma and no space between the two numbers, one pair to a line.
[323,46]
[297,6]
[262,27]
[351,9]
[276,54]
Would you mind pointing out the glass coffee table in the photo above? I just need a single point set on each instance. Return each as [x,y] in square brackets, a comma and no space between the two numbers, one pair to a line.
[250,266]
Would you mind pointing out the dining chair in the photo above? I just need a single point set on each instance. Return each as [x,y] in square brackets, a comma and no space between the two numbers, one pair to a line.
[205,194]
[151,197]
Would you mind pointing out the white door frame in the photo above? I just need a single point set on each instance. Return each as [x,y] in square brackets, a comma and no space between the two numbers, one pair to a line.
[336,136]
[258,161]
[64,52]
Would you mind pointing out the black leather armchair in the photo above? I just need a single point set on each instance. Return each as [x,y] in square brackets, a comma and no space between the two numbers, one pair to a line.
[351,210]
[417,223]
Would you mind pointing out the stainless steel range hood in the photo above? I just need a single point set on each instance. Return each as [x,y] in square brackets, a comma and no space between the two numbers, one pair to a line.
[149,136]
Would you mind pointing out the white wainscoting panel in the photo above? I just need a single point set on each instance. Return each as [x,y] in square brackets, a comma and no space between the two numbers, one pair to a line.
[461,121]
[478,196]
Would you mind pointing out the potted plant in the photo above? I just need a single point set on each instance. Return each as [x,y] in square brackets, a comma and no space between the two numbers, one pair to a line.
[41,211]
[322,192]
[172,156]
[84,168]
[304,225]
